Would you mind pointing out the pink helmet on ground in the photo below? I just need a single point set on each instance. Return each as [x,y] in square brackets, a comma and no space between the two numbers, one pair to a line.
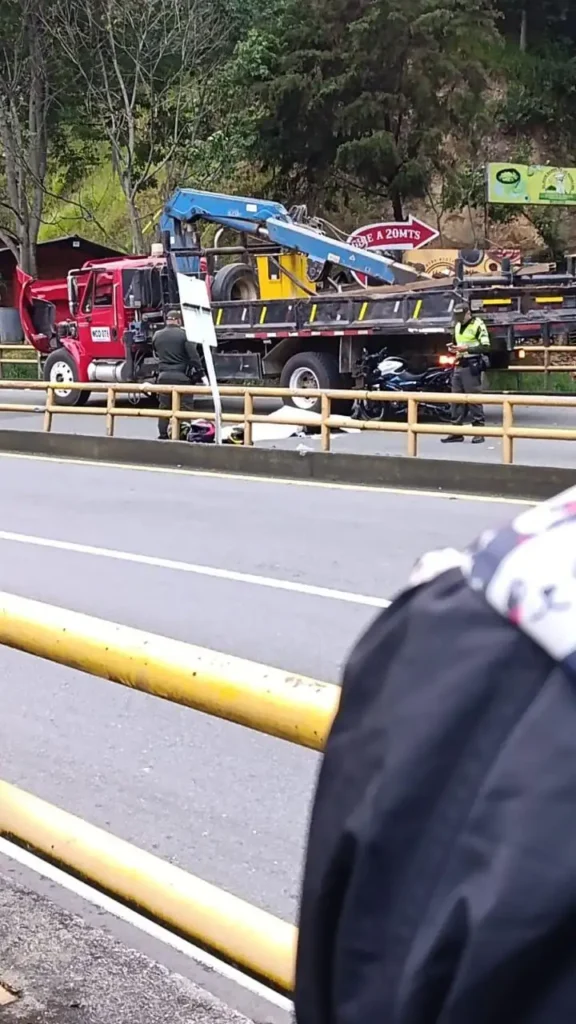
[201,432]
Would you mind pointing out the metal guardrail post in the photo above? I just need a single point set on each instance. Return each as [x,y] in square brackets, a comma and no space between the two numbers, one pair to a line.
[412,422]
[48,404]
[507,440]
[110,409]
[325,410]
[243,934]
[174,420]
[248,413]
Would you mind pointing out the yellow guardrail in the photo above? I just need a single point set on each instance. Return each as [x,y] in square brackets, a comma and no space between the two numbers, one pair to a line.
[509,432]
[19,355]
[25,354]
[243,934]
[278,703]
[549,363]
[290,707]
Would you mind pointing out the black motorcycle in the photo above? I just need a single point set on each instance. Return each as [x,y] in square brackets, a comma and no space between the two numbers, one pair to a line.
[381,372]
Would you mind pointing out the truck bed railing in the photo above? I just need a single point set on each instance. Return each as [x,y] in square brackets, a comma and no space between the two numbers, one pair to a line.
[526,309]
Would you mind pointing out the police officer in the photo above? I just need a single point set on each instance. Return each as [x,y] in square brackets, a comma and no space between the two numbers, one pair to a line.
[471,345]
[178,363]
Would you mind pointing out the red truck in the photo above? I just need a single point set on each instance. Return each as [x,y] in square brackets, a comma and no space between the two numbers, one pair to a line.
[97,325]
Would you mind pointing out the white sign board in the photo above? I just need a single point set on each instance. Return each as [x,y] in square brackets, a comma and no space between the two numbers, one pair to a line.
[196,311]
[199,327]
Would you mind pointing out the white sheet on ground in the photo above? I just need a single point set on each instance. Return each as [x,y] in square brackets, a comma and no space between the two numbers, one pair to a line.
[277,428]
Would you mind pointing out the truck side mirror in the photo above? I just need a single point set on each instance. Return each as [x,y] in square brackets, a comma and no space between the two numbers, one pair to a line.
[73,300]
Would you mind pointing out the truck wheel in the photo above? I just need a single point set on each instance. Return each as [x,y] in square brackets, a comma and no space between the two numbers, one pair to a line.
[61,367]
[310,370]
[235,282]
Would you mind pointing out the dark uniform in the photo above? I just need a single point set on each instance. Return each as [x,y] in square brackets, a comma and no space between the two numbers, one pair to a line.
[178,362]
[440,883]
[471,333]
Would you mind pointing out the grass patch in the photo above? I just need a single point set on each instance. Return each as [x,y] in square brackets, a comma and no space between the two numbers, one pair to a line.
[531,383]
[20,372]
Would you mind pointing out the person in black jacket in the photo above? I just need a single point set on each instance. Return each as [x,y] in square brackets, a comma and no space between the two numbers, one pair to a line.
[178,363]
[440,880]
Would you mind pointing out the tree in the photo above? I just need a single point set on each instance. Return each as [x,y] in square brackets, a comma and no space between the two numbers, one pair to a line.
[533,24]
[366,92]
[28,88]
[145,68]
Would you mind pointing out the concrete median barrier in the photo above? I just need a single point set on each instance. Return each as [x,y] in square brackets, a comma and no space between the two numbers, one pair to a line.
[517,481]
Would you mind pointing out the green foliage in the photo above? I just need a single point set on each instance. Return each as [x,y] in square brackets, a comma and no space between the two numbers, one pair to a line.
[361,95]
[359,108]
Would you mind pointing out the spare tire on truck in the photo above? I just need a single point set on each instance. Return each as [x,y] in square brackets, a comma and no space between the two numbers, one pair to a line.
[235,282]
[310,370]
[60,366]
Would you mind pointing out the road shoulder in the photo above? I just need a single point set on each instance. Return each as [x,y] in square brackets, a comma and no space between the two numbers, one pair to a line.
[65,971]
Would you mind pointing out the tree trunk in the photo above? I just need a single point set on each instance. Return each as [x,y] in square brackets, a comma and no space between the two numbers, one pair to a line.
[23,143]
[135,227]
[398,208]
[523,30]
[128,189]
[27,259]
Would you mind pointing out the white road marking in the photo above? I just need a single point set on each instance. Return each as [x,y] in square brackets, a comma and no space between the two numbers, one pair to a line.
[199,570]
[155,931]
[273,481]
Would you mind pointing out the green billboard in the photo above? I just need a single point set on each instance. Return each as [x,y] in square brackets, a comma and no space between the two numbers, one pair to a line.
[531,185]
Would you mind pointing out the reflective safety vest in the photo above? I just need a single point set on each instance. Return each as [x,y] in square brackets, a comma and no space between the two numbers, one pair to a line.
[474,335]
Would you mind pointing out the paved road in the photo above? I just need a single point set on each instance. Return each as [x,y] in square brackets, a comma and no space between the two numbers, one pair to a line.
[226,803]
[540,453]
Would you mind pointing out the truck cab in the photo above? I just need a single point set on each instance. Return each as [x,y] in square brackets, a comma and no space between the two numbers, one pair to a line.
[105,331]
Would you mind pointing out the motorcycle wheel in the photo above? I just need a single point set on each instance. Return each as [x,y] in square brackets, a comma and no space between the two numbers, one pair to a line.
[436,413]
[363,410]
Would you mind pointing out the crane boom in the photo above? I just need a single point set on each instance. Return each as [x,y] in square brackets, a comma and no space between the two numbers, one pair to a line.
[265,219]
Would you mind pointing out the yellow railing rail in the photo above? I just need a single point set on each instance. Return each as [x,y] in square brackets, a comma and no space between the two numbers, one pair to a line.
[241,933]
[24,353]
[289,706]
[548,365]
[275,702]
[411,427]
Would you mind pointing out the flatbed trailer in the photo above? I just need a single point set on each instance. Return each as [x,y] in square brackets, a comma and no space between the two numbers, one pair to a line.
[415,322]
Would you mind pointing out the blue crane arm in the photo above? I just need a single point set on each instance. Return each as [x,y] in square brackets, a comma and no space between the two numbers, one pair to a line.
[267,220]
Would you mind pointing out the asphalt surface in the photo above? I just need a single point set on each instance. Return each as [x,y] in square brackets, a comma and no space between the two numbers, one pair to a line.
[226,803]
[62,971]
[528,452]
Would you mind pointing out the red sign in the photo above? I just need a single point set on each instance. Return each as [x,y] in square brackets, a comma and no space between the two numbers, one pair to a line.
[406,234]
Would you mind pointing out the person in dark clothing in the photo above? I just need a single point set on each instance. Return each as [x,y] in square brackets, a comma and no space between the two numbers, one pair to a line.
[178,363]
[440,880]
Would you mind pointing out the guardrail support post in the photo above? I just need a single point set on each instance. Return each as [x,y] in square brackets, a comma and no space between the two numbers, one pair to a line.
[47,424]
[248,412]
[412,422]
[325,409]
[174,421]
[110,406]
[507,441]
